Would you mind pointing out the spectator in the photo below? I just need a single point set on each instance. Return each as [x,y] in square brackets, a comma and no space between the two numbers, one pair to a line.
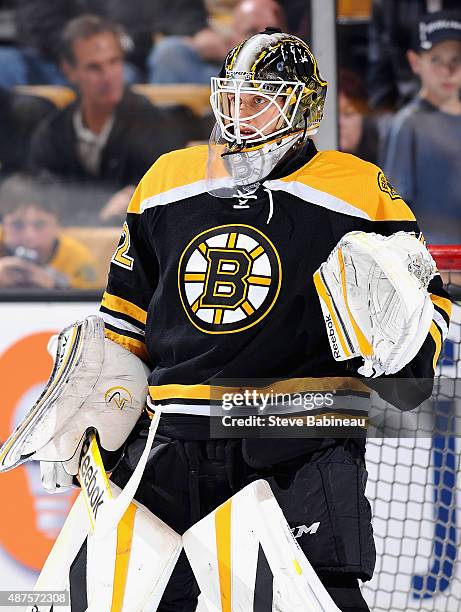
[107,139]
[19,115]
[33,250]
[195,59]
[358,133]
[424,145]
[390,80]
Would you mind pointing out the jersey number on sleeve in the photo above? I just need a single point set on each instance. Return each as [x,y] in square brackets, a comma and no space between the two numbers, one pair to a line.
[121,258]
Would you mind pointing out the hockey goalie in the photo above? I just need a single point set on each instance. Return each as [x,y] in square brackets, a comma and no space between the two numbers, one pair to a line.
[255,257]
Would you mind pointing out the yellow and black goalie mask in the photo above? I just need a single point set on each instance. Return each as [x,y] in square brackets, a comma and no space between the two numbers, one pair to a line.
[268,98]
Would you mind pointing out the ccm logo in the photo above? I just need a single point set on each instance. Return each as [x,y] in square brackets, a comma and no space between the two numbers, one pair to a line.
[304,529]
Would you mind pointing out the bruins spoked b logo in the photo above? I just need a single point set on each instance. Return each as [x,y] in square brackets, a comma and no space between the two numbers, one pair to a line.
[229,278]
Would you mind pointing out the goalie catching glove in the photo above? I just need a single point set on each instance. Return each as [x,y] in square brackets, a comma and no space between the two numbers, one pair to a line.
[95,384]
[374,299]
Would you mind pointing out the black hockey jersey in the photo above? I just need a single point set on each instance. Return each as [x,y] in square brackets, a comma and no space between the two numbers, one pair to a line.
[205,288]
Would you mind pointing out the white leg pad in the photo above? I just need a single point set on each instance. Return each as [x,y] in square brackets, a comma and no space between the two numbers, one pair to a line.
[132,563]
[222,549]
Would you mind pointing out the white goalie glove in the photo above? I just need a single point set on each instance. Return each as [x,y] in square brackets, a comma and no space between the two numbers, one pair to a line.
[374,299]
[95,384]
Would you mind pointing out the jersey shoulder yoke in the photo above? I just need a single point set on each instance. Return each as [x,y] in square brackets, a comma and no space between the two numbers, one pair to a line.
[349,185]
[173,177]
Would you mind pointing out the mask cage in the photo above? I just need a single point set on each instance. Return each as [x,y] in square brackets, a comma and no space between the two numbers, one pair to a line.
[228,103]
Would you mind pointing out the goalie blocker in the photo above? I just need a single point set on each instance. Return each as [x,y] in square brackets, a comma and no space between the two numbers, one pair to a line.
[95,384]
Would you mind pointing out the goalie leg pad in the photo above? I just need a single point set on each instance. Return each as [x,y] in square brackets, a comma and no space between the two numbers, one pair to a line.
[223,552]
[130,567]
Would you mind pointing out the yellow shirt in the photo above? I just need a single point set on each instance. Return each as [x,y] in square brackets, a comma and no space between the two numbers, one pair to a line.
[75,261]
[72,259]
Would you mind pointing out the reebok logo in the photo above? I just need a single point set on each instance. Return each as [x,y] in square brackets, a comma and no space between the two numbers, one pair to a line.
[92,477]
[332,337]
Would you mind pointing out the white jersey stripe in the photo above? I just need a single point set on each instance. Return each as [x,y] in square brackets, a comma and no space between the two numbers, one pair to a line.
[174,195]
[441,323]
[121,324]
[299,190]
[356,404]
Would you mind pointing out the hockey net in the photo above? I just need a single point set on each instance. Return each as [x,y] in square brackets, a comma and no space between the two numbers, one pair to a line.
[413,490]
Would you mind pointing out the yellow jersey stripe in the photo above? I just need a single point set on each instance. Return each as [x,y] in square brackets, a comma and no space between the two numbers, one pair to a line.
[332,179]
[437,337]
[118,304]
[308,193]
[291,385]
[135,203]
[173,177]
[134,346]
[442,303]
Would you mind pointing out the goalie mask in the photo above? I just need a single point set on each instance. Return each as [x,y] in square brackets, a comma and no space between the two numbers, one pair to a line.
[267,99]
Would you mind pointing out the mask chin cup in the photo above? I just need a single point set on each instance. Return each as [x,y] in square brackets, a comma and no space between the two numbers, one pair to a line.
[229,172]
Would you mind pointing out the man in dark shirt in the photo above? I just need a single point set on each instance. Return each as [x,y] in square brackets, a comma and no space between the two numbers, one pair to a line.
[109,137]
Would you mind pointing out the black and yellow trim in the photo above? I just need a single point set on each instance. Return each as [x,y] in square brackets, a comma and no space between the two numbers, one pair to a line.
[115,304]
[436,335]
[443,305]
[131,344]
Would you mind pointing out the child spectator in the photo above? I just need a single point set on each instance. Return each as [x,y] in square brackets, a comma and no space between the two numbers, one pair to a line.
[33,250]
[391,82]
[423,151]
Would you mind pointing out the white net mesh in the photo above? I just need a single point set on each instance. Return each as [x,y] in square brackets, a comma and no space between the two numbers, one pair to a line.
[413,490]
